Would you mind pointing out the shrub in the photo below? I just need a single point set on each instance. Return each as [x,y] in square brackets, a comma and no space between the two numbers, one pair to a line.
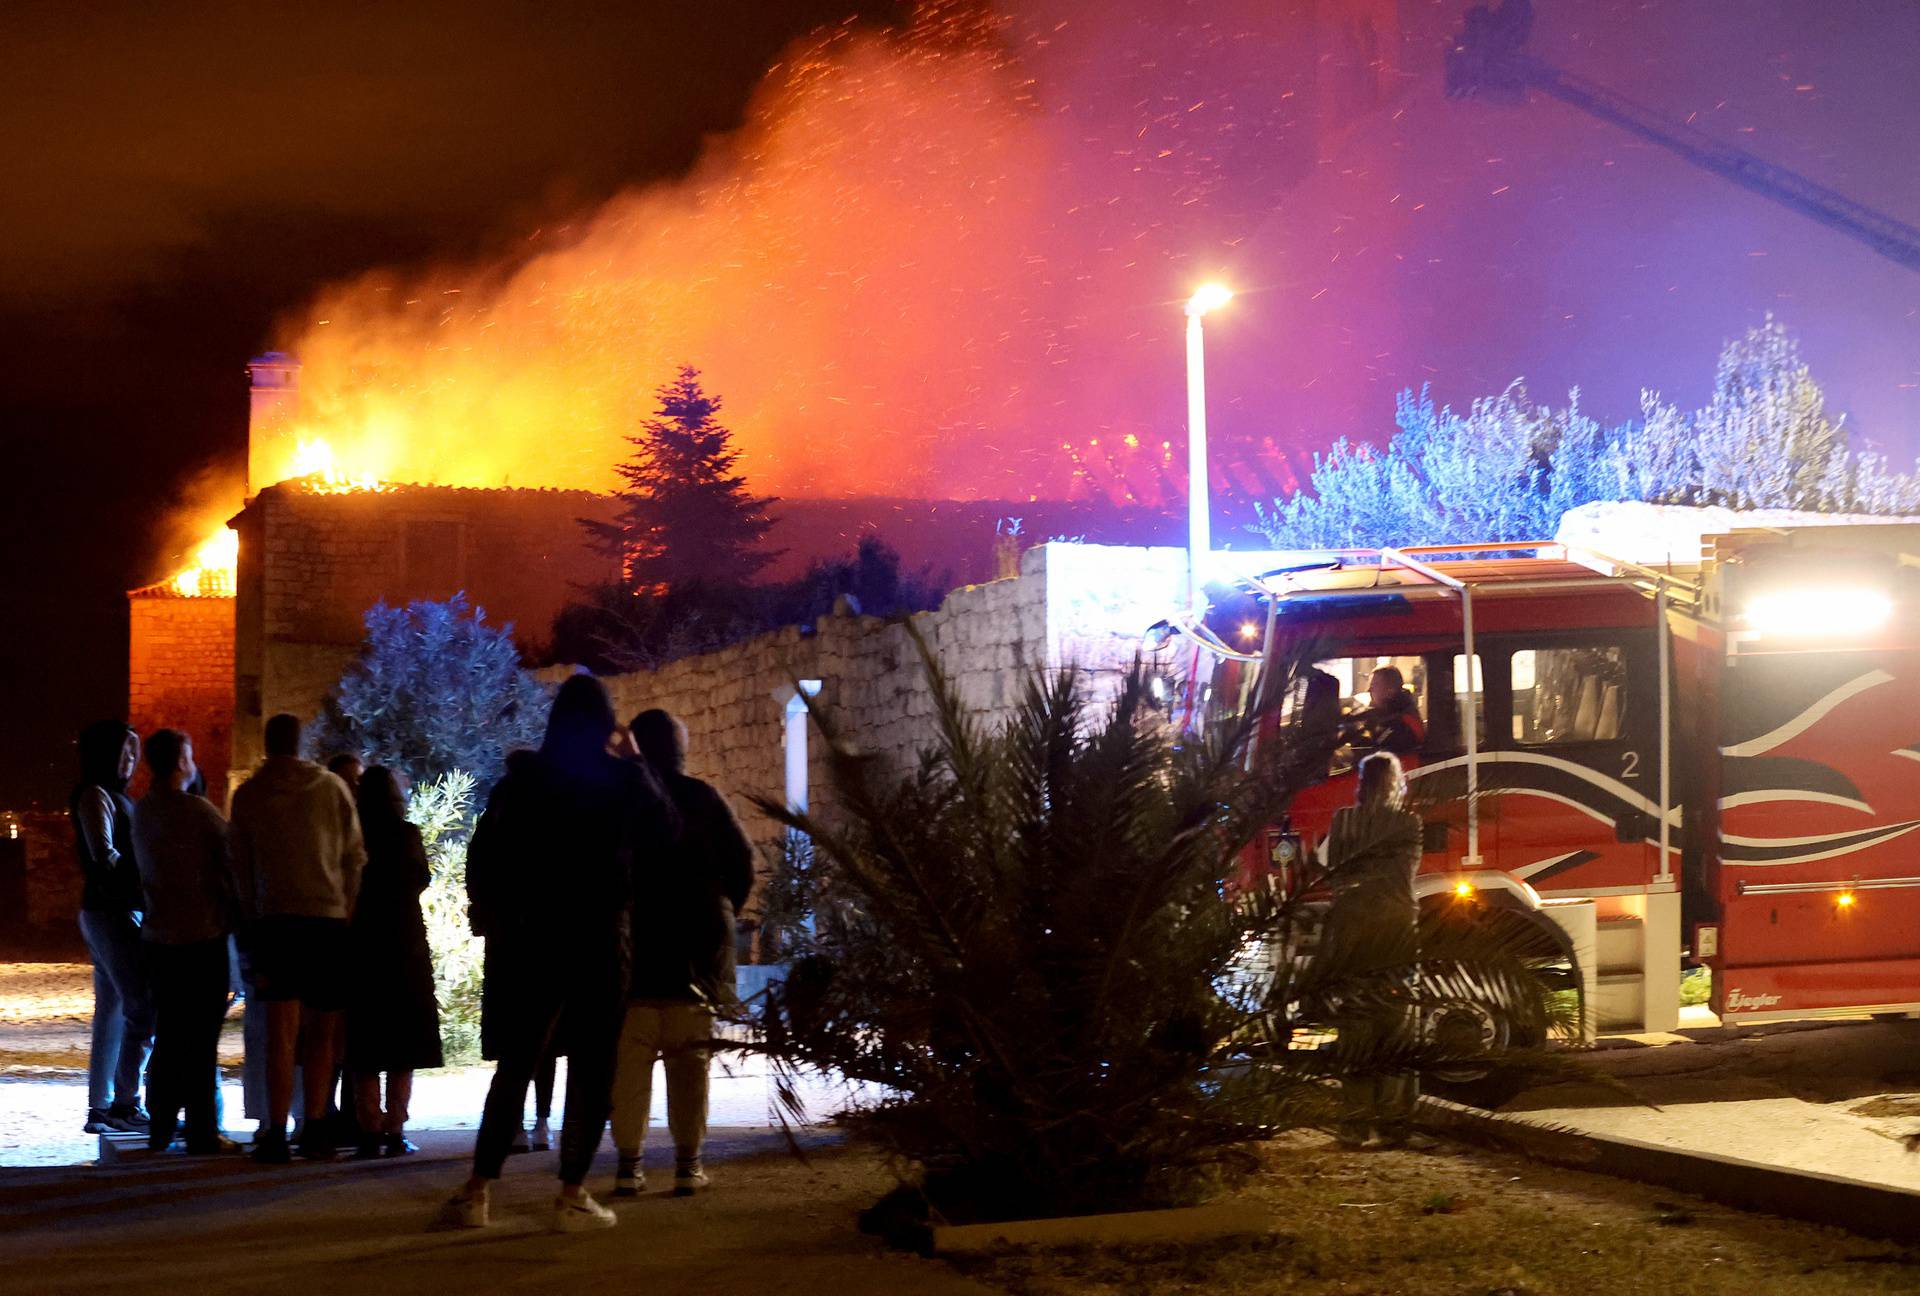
[1026,946]
[433,689]
[444,812]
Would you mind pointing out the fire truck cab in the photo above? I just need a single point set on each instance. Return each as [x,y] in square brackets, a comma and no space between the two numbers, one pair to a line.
[1716,761]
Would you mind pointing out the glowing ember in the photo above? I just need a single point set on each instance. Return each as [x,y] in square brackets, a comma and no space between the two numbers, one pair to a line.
[211,573]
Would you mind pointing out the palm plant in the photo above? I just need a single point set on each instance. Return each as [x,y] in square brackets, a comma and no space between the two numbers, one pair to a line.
[1033,951]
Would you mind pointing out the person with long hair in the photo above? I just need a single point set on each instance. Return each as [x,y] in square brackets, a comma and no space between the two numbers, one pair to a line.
[110,914]
[393,1020]
[1372,939]
[550,882]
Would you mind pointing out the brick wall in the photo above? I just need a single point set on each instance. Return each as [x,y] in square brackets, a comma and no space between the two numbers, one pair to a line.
[180,673]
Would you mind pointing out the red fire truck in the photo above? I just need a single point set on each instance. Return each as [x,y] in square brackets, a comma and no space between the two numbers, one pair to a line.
[1717,761]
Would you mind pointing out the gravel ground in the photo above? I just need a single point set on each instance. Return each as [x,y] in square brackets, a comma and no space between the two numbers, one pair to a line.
[1452,1223]
[1472,1224]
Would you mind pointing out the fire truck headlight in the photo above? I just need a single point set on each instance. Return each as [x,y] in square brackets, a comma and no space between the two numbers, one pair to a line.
[1463,889]
[1845,900]
[1824,612]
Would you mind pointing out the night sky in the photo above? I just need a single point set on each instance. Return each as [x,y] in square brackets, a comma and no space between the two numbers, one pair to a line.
[185,180]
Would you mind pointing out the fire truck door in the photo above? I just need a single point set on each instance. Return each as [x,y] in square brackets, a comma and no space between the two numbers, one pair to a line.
[1575,760]
[1819,843]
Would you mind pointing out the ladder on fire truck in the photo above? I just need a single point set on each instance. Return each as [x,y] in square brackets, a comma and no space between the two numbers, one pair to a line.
[1486,59]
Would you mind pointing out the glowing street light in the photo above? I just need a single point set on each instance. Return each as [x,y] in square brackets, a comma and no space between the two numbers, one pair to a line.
[1207,297]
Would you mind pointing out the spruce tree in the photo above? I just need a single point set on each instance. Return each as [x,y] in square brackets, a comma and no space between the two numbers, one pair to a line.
[685,516]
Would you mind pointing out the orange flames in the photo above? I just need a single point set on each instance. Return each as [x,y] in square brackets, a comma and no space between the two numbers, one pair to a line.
[847,271]
[314,464]
[942,262]
[210,574]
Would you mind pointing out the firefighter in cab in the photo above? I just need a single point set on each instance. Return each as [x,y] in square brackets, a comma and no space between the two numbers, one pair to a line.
[1390,722]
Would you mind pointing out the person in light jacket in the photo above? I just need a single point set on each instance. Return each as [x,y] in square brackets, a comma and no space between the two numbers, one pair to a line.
[297,857]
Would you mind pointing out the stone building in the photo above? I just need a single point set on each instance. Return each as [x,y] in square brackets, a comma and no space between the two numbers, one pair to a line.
[218,654]
[312,561]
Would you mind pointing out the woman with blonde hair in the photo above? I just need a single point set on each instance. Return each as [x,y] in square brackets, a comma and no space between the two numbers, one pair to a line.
[1372,939]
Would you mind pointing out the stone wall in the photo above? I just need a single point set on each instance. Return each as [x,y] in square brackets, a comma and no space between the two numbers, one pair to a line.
[180,673]
[52,874]
[1085,604]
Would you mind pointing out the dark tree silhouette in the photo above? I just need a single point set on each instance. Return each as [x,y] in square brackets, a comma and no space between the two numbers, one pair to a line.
[686,516]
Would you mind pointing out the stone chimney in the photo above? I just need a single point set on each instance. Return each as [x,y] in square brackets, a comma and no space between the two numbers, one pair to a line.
[274,406]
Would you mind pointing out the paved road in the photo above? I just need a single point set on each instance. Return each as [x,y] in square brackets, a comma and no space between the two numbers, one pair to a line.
[227,1228]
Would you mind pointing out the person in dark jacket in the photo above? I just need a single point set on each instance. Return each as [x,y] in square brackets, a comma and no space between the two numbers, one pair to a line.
[495,1021]
[1391,722]
[181,843]
[110,923]
[683,962]
[393,1019]
[550,882]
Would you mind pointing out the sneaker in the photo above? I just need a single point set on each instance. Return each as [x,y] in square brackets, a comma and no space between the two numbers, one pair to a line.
[463,1210]
[128,1118]
[270,1148]
[96,1121]
[689,1178]
[367,1149]
[630,1180]
[398,1145]
[581,1214]
[542,1136]
[519,1144]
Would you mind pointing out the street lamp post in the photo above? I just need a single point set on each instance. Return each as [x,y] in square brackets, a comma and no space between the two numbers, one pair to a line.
[1199,529]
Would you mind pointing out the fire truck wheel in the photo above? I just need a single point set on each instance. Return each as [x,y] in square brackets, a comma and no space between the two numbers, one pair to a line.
[1460,1020]
[1483,1088]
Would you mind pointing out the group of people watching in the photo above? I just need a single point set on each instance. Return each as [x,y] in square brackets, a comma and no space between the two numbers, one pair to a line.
[603,878]
[312,888]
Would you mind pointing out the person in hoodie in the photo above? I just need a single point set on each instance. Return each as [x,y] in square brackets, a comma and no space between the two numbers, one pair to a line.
[683,961]
[110,923]
[297,855]
[181,842]
[550,883]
